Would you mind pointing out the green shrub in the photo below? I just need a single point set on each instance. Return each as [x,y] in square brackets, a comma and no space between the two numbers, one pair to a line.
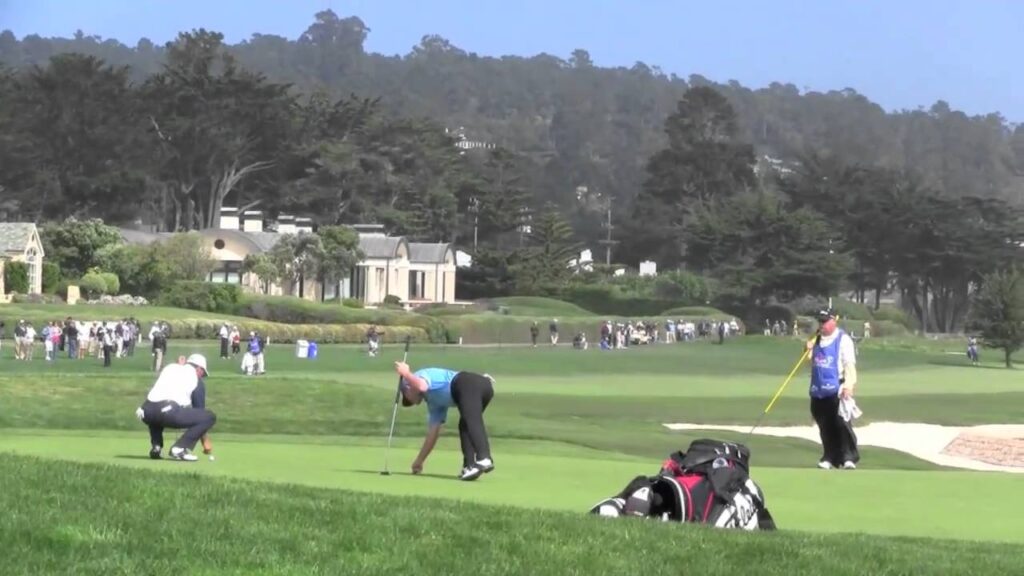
[112,282]
[205,329]
[204,296]
[352,303]
[695,311]
[37,299]
[606,299]
[290,310]
[16,277]
[895,315]
[92,285]
[51,278]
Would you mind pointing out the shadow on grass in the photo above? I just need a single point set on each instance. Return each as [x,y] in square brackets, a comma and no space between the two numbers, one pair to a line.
[135,457]
[393,473]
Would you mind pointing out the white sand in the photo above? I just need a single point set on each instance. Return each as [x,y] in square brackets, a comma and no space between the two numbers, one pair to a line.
[925,441]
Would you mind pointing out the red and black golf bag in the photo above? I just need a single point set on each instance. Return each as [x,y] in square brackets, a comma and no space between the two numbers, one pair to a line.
[708,484]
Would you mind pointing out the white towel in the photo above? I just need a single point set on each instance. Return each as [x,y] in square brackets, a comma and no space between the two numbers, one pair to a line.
[848,409]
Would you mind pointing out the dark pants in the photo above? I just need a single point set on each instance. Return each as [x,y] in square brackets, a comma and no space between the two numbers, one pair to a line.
[472,393]
[106,356]
[223,347]
[838,441]
[160,415]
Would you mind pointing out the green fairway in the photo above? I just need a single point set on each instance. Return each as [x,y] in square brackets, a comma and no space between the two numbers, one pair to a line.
[568,429]
[554,477]
[101,520]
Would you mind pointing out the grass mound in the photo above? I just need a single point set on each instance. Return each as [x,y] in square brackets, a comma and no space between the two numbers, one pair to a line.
[220,526]
[538,307]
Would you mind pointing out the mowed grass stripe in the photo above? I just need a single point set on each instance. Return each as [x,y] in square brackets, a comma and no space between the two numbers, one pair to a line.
[65,518]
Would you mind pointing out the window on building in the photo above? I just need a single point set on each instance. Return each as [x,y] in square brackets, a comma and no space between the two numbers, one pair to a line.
[229,272]
[357,283]
[32,261]
[417,282]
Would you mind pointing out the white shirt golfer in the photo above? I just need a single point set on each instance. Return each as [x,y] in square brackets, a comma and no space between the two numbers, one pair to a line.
[175,383]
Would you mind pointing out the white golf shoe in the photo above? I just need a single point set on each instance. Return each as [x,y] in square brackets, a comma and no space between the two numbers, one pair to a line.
[183,455]
[470,473]
[825,465]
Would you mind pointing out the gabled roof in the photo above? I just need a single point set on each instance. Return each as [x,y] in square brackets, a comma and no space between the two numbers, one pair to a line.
[380,246]
[15,236]
[429,253]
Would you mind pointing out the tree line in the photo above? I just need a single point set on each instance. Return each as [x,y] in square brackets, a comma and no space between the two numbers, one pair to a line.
[767,194]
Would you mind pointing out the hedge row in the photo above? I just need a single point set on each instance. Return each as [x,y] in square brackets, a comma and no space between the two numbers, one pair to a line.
[190,328]
[287,310]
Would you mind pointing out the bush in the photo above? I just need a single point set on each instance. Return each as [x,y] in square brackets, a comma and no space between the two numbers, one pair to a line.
[112,282]
[289,310]
[203,296]
[205,329]
[896,316]
[51,278]
[610,300]
[352,303]
[92,285]
[16,278]
[37,299]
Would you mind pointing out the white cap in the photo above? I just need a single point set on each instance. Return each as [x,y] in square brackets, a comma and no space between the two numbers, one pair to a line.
[198,360]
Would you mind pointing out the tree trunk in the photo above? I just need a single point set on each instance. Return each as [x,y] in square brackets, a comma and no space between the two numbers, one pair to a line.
[1009,360]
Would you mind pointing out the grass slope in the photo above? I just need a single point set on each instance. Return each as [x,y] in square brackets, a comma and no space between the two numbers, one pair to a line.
[568,428]
[554,477]
[133,522]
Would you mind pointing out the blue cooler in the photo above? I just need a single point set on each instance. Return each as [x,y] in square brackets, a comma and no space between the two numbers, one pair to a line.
[312,350]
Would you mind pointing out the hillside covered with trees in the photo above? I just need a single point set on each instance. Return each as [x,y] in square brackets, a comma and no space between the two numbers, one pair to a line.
[766,195]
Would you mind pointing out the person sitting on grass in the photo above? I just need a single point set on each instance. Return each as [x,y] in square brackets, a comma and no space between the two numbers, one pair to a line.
[471,393]
[171,403]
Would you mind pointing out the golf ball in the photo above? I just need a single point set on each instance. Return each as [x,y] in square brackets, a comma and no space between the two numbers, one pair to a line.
[211,458]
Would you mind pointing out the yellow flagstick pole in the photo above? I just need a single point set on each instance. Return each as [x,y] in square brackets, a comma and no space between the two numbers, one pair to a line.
[781,388]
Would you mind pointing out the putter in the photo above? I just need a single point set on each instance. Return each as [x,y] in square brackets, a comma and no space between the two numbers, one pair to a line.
[394,411]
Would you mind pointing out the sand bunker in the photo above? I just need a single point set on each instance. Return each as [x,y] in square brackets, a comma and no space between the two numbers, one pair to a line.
[998,448]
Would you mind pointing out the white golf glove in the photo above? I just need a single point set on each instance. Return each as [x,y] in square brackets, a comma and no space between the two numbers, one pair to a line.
[139,413]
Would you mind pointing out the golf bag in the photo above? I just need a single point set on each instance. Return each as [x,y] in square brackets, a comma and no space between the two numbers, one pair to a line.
[708,484]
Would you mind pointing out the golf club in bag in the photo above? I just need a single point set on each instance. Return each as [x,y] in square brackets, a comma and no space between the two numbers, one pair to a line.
[394,412]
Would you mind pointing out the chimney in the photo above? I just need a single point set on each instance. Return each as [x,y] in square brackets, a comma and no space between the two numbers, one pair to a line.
[286,224]
[252,221]
[304,225]
[229,218]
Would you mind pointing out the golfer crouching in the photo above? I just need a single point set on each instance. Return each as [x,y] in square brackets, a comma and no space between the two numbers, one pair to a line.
[443,388]
[171,403]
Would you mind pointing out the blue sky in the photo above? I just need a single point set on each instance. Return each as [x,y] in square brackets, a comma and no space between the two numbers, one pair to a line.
[899,53]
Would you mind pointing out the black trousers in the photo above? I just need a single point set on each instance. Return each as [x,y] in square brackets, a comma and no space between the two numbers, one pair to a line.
[160,415]
[223,347]
[472,393]
[838,440]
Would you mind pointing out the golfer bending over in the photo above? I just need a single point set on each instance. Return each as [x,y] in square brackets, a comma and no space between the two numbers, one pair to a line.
[442,388]
[170,404]
[833,377]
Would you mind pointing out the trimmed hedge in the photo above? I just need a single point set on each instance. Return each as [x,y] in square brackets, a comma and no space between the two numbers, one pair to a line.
[288,310]
[202,296]
[203,329]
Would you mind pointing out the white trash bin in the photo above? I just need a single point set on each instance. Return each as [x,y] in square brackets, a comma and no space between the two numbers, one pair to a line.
[301,348]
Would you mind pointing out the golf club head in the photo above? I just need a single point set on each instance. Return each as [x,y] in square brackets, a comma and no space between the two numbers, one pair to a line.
[385,473]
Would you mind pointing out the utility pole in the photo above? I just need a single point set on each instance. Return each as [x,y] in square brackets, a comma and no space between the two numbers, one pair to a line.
[475,208]
[608,242]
